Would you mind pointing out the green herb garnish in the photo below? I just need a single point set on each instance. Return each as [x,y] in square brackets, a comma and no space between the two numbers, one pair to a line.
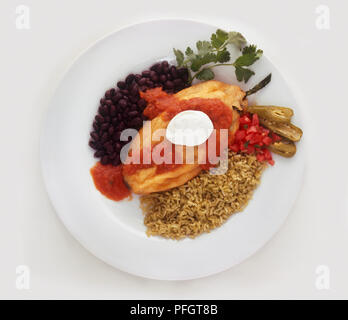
[214,53]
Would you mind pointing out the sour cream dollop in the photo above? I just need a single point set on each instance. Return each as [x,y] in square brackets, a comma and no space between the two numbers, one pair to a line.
[189,128]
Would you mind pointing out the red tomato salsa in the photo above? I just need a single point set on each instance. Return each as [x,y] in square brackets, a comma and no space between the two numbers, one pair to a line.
[159,101]
[108,179]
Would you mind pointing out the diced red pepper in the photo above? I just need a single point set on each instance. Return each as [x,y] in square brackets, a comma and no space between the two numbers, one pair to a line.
[240,135]
[260,157]
[250,149]
[252,129]
[252,138]
[267,140]
[267,153]
[255,120]
[275,137]
[234,147]
[244,120]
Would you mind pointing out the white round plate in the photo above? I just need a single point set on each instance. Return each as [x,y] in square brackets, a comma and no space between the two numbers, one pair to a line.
[114,231]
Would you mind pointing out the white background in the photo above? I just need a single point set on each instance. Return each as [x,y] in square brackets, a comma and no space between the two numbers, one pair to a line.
[313,61]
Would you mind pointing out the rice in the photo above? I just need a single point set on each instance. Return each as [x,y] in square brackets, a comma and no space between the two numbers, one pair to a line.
[203,203]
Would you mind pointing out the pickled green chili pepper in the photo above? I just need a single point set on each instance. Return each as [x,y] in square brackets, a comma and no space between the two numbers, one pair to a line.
[272,113]
[284,148]
[286,130]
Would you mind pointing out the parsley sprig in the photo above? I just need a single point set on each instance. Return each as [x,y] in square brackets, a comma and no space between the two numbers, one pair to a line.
[214,53]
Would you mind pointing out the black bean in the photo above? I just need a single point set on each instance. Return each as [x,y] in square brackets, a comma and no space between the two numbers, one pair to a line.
[137,77]
[150,84]
[105,160]
[112,110]
[163,78]
[118,146]
[121,84]
[95,125]
[117,96]
[108,102]
[104,138]
[185,78]
[141,103]
[174,72]
[182,72]
[169,76]
[99,154]
[135,90]
[130,78]
[103,110]
[112,156]
[116,161]
[125,114]
[142,81]
[155,78]
[91,143]
[134,99]
[178,83]
[116,136]
[133,114]
[146,73]
[169,84]
[102,100]
[111,130]
[94,135]
[109,149]
[98,145]
[99,118]
[155,67]
[108,94]
[114,121]
[122,103]
[121,126]
[104,126]
[136,122]
[107,144]
[165,69]
[164,64]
